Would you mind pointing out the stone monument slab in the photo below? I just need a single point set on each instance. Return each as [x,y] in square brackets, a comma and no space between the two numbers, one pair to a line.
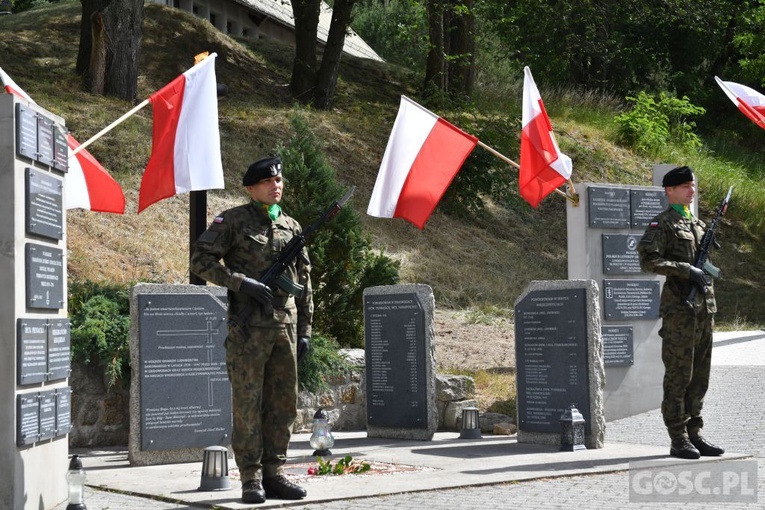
[400,372]
[559,358]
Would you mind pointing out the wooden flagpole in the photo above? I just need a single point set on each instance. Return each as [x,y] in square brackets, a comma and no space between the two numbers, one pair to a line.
[109,127]
[516,165]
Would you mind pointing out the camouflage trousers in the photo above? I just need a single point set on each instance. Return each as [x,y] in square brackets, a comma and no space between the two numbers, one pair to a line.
[686,351]
[263,372]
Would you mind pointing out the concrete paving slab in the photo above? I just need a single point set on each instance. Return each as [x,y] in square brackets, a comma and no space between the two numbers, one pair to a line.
[445,462]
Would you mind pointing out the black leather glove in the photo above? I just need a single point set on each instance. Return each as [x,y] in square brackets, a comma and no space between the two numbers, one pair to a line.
[303,346]
[257,291]
[698,278]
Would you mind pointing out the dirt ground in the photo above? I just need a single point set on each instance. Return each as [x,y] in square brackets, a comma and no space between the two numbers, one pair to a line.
[468,342]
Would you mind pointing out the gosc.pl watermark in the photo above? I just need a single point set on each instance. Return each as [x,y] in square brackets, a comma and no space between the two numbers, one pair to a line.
[724,481]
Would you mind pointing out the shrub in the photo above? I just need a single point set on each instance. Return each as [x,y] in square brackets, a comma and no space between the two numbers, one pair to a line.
[652,124]
[100,327]
[321,364]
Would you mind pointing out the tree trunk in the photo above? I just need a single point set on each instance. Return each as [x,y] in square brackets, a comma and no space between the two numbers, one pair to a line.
[304,67]
[461,70]
[326,82]
[435,67]
[110,42]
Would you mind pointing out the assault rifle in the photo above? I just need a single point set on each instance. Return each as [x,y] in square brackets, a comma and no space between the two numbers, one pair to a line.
[702,257]
[274,275]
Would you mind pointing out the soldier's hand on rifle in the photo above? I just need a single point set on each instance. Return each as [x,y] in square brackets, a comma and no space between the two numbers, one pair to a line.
[303,346]
[257,291]
[698,278]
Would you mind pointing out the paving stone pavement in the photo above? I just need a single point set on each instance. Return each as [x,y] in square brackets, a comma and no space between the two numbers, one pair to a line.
[735,418]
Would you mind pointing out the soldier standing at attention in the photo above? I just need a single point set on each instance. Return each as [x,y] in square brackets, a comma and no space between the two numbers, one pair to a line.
[268,330]
[669,248]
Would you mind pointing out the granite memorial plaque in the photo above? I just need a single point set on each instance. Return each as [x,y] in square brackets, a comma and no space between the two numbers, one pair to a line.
[31,359]
[63,411]
[631,299]
[617,346]
[45,140]
[551,356]
[44,204]
[646,204]
[27,419]
[608,207]
[60,150]
[59,349]
[26,132]
[620,254]
[395,352]
[185,392]
[47,414]
[44,276]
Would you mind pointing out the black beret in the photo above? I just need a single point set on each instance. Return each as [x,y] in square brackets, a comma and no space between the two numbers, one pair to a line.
[262,169]
[677,176]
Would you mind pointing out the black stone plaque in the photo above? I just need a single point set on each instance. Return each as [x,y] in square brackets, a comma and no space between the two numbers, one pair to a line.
[646,204]
[59,347]
[608,207]
[47,414]
[45,140]
[394,329]
[27,419]
[617,346]
[63,411]
[45,276]
[44,204]
[26,132]
[551,356]
[620,254]
[31,359]
[185,392]
[631,299]
[60,150]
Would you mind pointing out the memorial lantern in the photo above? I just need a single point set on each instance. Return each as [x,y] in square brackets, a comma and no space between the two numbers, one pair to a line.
[215,469]
[321,437]
[75,479]
[471,427]
[571,430]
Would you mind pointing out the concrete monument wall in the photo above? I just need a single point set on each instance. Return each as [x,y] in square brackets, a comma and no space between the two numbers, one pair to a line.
[603,233]
[35,399]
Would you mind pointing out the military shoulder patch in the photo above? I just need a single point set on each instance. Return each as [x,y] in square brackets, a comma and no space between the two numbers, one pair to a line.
[218,219]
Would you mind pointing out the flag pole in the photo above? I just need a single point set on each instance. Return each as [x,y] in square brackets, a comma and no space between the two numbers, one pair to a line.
[516,165]
[109,128]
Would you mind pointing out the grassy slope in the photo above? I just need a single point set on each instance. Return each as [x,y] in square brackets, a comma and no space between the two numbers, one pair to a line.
[484,262]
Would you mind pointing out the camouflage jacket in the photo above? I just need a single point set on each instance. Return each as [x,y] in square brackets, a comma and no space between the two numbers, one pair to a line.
[669,248]
[248,242]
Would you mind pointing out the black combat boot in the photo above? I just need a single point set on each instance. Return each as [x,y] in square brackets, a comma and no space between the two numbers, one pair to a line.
[706,448]
[279,487]
[252,492]
[683,449]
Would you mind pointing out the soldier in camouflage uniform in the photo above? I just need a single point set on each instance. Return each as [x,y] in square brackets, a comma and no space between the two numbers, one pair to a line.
[669,248]
[269,329]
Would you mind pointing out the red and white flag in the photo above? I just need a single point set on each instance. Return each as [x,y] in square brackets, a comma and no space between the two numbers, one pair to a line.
[185,153]
[88,184]
[543,166]
[423,155]
[749,101]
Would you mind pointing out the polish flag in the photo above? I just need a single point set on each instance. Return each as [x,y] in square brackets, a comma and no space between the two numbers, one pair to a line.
[749,101]
[423,155]
[88,184]
[543,166]
[185,137]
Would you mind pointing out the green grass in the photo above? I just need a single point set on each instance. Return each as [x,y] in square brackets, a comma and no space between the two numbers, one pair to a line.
[478,262]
